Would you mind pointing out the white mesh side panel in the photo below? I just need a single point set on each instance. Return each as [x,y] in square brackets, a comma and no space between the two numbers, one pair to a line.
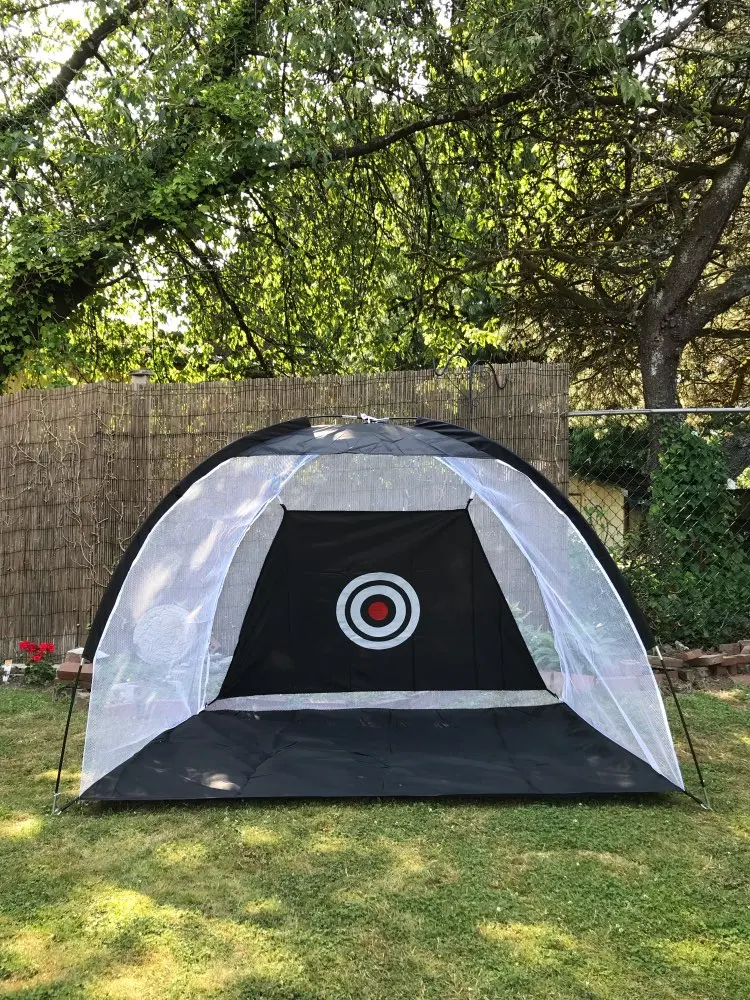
[607,679]
[375,482]
[521,590]
[239,585]
[151,666]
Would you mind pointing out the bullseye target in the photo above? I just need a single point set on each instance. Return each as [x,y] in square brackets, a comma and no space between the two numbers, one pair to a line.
[378,610]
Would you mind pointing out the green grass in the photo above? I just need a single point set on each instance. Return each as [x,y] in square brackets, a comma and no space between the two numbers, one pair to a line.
[374,900]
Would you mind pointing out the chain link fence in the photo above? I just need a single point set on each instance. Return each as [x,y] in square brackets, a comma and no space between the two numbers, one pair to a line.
[669,494]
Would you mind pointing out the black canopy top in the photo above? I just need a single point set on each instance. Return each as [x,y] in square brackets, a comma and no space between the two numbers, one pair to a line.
[365,438]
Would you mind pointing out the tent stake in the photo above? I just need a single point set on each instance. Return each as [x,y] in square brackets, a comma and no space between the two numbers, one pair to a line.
[56,794]
[706,803]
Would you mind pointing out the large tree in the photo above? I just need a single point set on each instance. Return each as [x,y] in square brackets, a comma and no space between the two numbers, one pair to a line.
[632,254]
[288,187]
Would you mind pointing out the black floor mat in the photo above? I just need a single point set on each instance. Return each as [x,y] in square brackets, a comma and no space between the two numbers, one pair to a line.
[545,750]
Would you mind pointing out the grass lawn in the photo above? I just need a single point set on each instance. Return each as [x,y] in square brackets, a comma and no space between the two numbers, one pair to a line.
[623,899]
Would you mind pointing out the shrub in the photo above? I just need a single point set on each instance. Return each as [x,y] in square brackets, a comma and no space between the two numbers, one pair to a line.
[40,668]
[688,565]
[615,453]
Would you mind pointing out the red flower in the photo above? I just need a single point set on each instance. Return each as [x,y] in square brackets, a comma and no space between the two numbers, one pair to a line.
[25,646]
[37,657]
[47,647]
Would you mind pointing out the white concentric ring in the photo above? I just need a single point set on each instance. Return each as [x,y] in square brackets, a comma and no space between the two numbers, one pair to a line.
[352,623]
[355,610]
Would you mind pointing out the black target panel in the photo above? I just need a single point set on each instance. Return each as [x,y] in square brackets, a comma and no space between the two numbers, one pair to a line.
[386,601]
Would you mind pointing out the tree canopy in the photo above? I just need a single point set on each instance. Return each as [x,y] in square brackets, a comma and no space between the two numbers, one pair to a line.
[259,187]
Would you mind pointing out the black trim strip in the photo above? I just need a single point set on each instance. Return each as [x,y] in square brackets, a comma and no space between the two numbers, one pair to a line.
[494,450]
[242,446]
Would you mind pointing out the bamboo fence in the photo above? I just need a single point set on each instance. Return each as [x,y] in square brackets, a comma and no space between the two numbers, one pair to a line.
[81,467]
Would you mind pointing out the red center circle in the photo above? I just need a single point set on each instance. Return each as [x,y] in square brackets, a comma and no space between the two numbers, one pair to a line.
[378,610]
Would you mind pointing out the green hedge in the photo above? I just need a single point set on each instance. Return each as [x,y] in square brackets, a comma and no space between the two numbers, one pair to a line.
[687,563]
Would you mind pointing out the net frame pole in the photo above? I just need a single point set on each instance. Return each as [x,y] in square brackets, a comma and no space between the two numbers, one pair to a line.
[56,794]
[705,804]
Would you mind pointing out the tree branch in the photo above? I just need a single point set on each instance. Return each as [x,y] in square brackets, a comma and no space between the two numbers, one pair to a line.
[583,261]
[724,116]
[728,334]
[341,154]
[229,301]
[669,36]
[717,300]
[739,383]
[21,9]
[51,95]
[580,299]
[694,250]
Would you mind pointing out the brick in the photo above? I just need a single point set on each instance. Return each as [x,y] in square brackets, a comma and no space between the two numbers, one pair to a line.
[705,660]
[741,660]
[672,661]
[729,648]
[67,673]
[688,654]
[663,681]
[719,670]
[667,661]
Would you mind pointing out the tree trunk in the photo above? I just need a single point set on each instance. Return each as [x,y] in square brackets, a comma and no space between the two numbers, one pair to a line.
[660,350]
